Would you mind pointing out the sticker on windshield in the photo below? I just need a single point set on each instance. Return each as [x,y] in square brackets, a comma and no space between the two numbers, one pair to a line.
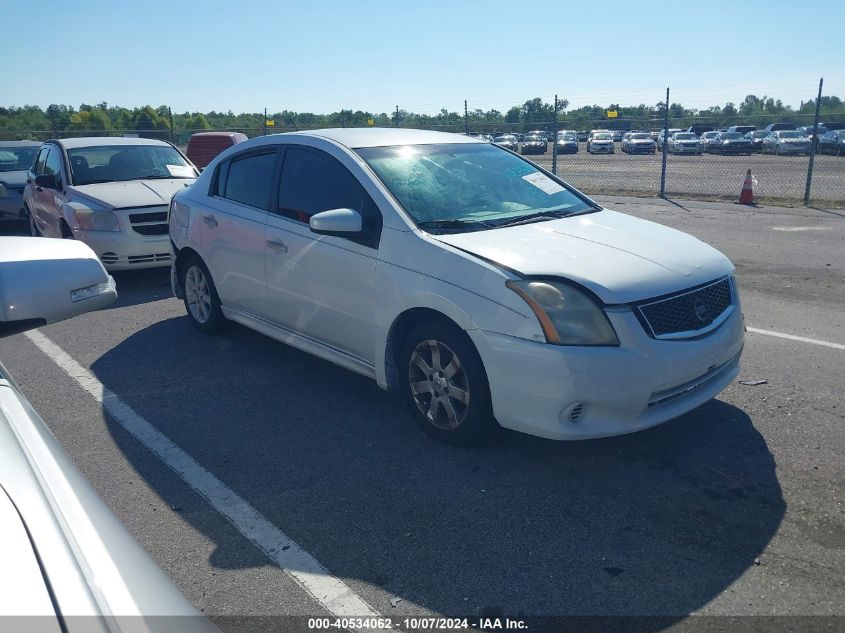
[543,183]
[180,171]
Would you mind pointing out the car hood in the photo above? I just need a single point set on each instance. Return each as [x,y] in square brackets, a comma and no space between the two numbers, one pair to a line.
[622,259]
[13,178]
[131,193]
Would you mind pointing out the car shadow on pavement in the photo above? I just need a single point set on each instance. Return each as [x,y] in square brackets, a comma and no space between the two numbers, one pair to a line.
[655,523]
[135,287]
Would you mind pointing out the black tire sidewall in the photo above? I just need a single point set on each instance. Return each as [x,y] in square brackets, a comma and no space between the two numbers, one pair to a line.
[216,320]
[479,421]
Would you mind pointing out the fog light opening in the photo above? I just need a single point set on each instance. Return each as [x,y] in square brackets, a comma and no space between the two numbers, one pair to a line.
[574,412]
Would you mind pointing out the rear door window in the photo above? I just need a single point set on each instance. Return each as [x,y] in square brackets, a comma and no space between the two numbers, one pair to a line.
[248,179]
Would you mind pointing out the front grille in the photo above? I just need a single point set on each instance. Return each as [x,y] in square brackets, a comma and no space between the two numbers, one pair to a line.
[153,223]
[687,314]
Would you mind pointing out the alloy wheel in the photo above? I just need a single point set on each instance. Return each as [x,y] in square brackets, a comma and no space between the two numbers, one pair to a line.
[197,294]
[439,384]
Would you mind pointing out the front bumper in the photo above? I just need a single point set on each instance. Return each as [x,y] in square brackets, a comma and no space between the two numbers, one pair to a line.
[790,149]
[127,250]
[642,383]
[641,149]
[602,149]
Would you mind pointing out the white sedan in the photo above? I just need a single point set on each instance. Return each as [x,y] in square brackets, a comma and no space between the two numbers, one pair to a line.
[111,193]
[478,285]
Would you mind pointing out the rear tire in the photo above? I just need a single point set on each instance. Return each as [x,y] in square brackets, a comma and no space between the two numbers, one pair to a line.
[445,384]
[33,227]
[201,301]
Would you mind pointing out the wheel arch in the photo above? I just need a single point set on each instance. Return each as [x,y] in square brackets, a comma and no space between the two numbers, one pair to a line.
[402,325]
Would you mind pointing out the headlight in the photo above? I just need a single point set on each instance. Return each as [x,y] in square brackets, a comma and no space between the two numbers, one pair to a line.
[567,316]
[90,220]
[4,193]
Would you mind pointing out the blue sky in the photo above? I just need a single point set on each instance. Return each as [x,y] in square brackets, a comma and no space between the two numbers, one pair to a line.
[324,55]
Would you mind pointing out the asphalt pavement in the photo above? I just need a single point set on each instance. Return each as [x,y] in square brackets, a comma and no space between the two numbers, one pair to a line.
[734,509]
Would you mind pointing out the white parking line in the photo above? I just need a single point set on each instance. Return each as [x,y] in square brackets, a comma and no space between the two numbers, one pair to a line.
[792,337]
[333,594]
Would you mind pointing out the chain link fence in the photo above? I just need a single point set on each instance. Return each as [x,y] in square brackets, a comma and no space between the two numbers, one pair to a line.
[778,179]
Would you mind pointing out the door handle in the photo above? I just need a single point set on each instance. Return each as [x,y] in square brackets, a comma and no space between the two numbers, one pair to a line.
[277,245]
[210,220]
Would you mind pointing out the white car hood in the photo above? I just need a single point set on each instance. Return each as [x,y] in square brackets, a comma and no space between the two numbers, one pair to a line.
[619,257]
[131,193]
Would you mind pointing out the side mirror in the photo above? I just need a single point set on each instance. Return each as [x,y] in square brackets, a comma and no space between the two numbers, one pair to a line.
[47,181]
[337,222]
[45,280]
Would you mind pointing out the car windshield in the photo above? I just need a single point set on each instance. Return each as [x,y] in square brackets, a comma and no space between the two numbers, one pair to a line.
[709,134]
[686,136]
[602,137]
[640,137]
[114,163]
[759,134]
[462,186]
[567,137]
[17,158]
[789,134]
[532,137]
[731,136]
[506,138]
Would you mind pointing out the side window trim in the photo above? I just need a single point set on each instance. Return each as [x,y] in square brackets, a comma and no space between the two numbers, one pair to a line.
[214,189]
[38,166]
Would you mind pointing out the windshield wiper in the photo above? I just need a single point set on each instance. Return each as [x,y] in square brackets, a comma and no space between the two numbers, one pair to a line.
[536,217]
[453,224]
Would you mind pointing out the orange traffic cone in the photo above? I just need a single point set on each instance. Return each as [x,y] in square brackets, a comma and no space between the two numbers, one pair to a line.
[747,195]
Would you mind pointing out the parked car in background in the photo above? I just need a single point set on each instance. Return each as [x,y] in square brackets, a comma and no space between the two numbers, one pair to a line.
[508,141]
[684,143]
[567,143]
[833,143]
[660,136]
[111,193]
[203,146]
[543,134]
[533,144]
[639,143]
[756,137]
[777,127]
[705,139]
[548,314]
[742,129]
[582,136]
[599,131]
[807,130]
[601,143]
[617,136]
[700,128]
[730,143]
[787,142]
[68,563]
[16,157]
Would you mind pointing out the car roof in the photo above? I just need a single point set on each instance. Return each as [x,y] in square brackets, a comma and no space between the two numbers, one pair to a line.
[20,143]
[97,141]
[355,138]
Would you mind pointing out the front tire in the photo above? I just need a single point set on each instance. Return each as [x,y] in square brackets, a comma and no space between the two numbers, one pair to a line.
[201,301]
[445,384]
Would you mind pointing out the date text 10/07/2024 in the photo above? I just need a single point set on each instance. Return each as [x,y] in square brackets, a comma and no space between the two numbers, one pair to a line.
[418,624]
